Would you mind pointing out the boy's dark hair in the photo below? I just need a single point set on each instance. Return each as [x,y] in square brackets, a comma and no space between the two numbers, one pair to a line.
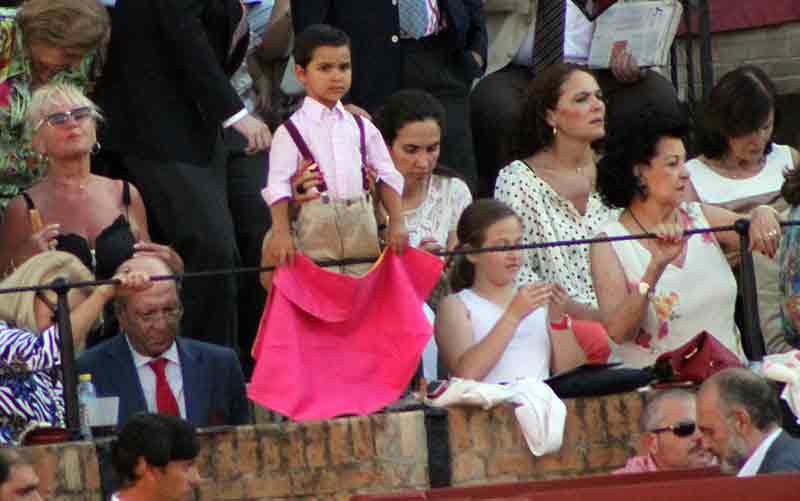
[314,37]
[157,438]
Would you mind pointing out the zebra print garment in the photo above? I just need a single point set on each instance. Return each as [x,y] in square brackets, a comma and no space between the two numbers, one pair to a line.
[30,385]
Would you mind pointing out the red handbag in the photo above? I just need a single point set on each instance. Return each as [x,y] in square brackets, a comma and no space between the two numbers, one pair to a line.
[696,361]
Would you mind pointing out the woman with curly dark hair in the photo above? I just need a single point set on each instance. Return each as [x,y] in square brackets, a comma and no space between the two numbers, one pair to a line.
[656,294]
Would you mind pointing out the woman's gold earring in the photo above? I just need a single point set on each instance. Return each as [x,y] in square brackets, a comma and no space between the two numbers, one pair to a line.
[555,131]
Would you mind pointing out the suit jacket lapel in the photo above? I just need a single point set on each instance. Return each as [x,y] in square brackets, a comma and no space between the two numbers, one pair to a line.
[125,379]
[196,390]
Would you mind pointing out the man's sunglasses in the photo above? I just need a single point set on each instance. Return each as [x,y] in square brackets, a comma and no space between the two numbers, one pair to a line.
[680,429]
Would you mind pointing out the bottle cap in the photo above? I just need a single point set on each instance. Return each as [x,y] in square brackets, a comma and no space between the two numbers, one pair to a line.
[84,378]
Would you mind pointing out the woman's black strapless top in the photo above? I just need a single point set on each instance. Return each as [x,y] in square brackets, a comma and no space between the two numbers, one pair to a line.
[112,247]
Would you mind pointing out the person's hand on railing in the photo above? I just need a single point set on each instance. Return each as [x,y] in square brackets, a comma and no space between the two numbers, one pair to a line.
[130,282]
[669,244]
[765,230]
[163,252]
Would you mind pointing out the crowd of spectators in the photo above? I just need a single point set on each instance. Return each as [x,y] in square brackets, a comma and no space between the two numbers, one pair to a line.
[176,169]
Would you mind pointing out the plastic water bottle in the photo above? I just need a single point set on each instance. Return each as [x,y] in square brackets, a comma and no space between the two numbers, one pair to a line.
[86,397]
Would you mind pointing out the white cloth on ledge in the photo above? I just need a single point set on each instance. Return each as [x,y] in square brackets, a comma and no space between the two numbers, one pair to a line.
[540,413]
[785,367]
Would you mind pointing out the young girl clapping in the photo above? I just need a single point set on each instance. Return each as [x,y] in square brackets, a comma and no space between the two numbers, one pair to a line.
[489,330]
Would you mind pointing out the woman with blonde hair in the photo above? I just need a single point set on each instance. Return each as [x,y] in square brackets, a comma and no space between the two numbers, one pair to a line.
[42,41]
[102,221]
[31,391]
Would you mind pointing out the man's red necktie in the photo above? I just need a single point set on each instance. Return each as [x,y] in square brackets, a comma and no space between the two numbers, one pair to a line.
[165,399]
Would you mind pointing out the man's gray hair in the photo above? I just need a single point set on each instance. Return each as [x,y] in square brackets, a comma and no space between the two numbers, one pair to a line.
[743,388]
[652,411]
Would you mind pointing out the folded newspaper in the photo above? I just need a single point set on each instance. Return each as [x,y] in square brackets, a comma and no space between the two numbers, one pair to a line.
[644,28]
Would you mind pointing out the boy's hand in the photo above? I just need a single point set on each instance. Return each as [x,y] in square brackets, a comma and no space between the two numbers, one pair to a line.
[280,249]
[398,236]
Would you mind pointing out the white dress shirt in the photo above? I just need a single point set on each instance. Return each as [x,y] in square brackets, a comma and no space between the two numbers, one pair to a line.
[147,378]
[753,463]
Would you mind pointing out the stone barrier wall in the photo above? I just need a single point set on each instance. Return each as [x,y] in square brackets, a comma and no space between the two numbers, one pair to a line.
[337,458]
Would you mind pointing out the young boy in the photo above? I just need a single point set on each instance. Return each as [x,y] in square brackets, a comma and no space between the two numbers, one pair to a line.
[340,222]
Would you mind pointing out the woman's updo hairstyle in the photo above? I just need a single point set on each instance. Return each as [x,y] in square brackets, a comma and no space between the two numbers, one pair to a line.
[472,227]
[636,144]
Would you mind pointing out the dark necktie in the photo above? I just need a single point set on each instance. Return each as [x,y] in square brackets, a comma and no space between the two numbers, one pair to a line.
[165,399]
[548,45]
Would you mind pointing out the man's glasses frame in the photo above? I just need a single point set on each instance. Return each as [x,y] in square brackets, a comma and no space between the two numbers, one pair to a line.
[171,315]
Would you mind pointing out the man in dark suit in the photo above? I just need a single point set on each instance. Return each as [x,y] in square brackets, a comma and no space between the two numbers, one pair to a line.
[151,369]
[738,414]
[166,95]
[386,59]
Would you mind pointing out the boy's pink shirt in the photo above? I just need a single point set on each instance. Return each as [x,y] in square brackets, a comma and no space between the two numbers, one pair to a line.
[333,137]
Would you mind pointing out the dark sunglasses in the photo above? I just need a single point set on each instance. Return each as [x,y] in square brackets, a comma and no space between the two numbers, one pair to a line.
[680,429]
[61,119]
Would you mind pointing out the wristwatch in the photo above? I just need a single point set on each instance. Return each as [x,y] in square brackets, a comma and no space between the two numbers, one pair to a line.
[646,291]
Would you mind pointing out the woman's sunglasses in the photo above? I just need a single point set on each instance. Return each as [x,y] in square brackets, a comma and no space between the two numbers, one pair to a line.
[62,119]
[683,429]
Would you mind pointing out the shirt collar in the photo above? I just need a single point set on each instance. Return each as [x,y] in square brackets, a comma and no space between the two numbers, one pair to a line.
[753,463]
[318,111]
[140,360]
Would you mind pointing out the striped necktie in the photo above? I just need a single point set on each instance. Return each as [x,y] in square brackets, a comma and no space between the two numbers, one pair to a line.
[548,45]
[414,17]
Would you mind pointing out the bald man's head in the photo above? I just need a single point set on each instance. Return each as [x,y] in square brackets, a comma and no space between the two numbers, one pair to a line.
[152,265]
[150,318]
